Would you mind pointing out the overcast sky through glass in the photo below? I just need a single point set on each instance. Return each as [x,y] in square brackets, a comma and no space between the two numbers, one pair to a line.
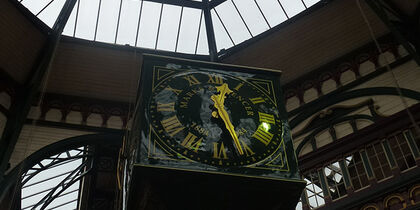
[167,27]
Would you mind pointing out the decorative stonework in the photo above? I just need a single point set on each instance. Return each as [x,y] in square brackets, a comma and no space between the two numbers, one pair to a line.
[91,111]
[406,197]
[341,72]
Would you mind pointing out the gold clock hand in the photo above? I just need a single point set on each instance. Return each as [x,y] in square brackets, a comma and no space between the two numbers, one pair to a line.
[219,105]
[224,90]
[225,117]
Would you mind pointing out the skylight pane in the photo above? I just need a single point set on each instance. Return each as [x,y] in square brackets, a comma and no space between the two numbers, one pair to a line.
[50,14]
[233,22]
[222,38]
[292,7]
[149,24]
[86,22]
[169,27]
[65,198]
[252,16]
[50,172]
[128,22]
[35,6]
[49,178]
[69,28]
[203,48]
[108,17]
[25,202]
[46,184]
[299,205]
[310,2]
[189,30]
[272,11]
[255,20]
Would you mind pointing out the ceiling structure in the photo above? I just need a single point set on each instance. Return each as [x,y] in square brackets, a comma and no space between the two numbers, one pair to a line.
[309,43]
[296,49]
[176,26]
[300,45]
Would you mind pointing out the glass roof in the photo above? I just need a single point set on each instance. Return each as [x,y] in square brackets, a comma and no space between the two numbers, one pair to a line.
[169,25]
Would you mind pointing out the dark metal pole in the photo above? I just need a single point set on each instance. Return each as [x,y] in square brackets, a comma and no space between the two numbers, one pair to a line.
[31,87]
[210,31]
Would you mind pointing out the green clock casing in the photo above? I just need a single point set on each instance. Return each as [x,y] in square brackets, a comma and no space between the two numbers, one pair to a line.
[213,118]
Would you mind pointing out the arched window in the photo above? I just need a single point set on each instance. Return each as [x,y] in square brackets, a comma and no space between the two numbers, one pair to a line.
[414,194]
[53,177]
[370,207]
[54,182]
[394,202]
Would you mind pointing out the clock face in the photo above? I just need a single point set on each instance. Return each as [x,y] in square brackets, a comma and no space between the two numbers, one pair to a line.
[214,118]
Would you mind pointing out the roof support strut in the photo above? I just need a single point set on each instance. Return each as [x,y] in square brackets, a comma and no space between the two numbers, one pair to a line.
[31,87]
[181,3]
[215,3]
[210,31]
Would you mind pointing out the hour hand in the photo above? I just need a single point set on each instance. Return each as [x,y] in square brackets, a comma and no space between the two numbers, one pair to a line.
[219,105]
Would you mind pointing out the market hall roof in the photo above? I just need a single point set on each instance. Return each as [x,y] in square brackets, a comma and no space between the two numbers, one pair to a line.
[176,25]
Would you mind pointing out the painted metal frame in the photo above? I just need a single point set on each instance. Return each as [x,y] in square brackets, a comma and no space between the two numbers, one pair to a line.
[19,175]
[205,6]
[57,191]
[21,108]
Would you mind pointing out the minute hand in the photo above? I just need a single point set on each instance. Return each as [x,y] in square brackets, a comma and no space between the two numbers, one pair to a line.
[225,117]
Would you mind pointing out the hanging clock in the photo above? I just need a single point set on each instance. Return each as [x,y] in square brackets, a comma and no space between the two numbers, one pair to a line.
[211,118]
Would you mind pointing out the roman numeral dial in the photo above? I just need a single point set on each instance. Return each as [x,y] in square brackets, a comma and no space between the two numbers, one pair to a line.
[191,142]
[169,107]
[172,125]
[257,100]
[219,151]
[174,90]
[263,135]
[215,79]
[212,118]
[192,80]
[267,118]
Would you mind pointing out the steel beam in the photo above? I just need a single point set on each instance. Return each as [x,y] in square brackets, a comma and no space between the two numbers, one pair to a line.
[31,87]
[216,3]
[182,3]
[211,40]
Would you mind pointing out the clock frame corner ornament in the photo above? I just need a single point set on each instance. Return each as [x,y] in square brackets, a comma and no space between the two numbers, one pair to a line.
[213,118]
